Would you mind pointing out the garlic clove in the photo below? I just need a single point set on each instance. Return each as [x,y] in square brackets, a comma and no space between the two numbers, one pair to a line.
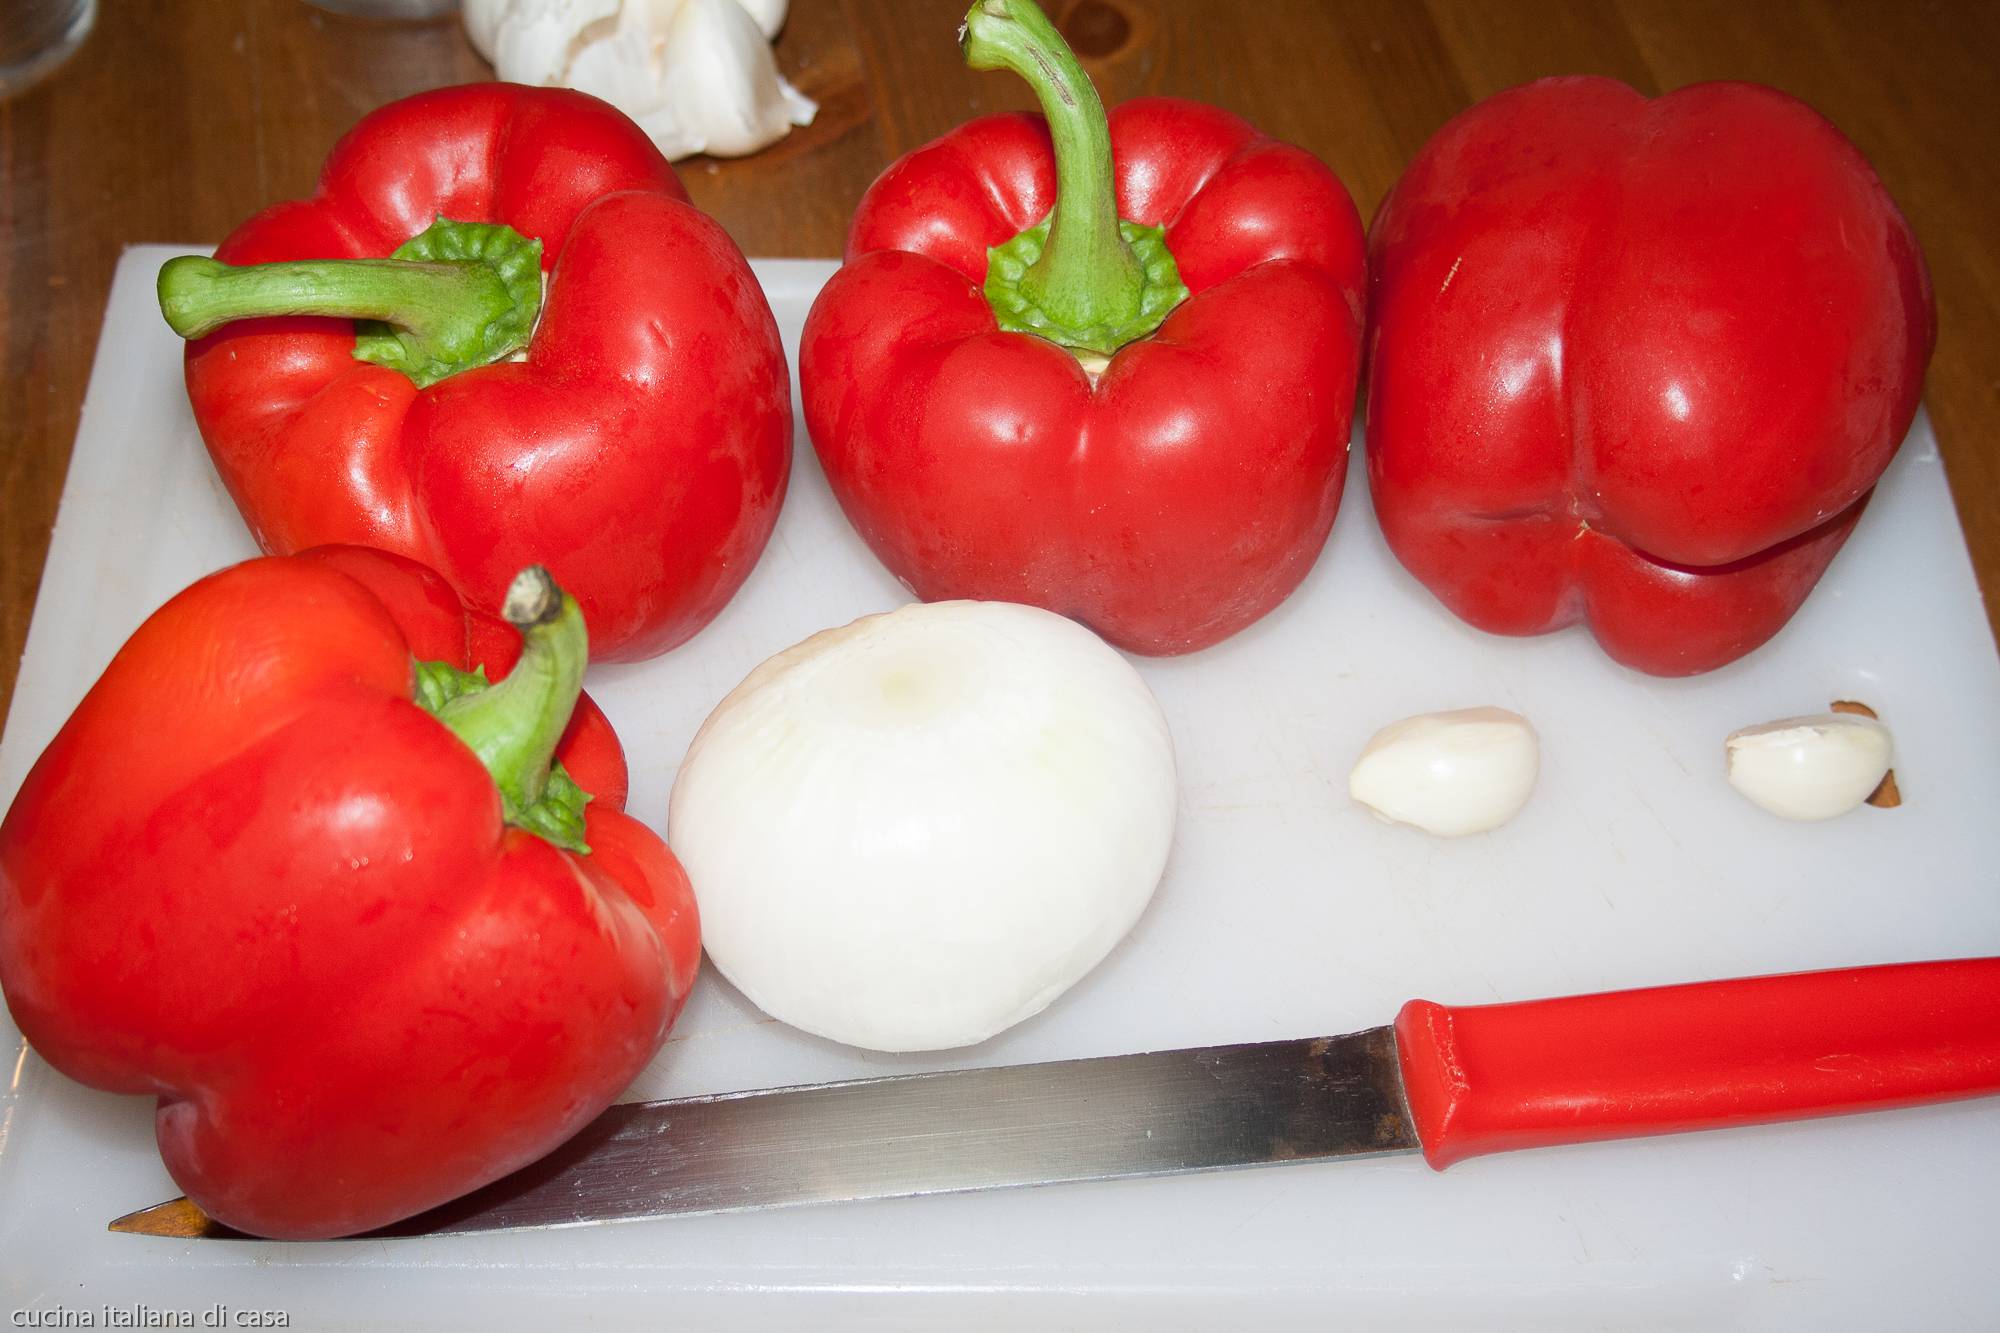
[722,82]
[769,15]
[482,23]
[1810,768]
[533,41]
[1466,771]
[697,75]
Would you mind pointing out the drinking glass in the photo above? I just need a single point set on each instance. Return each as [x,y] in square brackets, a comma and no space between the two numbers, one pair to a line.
[38,35]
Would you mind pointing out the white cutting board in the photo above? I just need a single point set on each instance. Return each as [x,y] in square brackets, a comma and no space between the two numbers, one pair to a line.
[1287,911]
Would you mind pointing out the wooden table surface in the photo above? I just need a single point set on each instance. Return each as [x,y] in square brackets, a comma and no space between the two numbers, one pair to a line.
[181,117]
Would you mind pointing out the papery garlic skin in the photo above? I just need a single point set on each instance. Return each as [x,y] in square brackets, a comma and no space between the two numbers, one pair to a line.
[1451,774]
[917,830]
[1810,768]
[769,15]
[697,75]
[532,41]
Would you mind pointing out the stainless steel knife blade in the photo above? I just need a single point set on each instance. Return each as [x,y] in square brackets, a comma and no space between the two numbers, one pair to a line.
[968,1129]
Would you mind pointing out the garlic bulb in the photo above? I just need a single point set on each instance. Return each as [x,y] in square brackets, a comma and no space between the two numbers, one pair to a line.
[917,830]
[1810,767]
[697,75]
[1450,774]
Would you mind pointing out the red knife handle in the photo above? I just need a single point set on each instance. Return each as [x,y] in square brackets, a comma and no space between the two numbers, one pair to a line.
[1487,1078]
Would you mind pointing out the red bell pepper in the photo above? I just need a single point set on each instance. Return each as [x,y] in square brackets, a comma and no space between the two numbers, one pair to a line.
[1636,363]
[366,964]
[1163,457]
[639,446]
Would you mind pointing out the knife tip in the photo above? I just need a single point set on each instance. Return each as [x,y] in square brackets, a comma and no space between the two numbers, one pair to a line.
[177,1217]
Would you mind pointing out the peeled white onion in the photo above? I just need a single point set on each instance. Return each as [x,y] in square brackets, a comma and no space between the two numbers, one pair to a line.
[917,830]
[1466,771]
[1810,768]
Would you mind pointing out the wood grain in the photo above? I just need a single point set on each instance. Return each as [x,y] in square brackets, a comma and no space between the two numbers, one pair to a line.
[180,117]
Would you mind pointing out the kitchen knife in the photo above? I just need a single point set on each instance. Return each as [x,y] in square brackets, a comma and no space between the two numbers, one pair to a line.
[1449,1082]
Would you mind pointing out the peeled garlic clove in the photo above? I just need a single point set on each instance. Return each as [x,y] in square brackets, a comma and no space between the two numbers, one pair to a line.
[1451,774]
[1810,767]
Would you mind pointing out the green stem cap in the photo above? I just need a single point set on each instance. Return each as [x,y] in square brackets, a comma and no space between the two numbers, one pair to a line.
[514,726]
[1080,277]
[454,296]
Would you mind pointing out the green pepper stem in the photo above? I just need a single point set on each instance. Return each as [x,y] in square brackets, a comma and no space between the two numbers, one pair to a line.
[513,725]
[198,296]
[1086,273]
[458,295]
[1081,277]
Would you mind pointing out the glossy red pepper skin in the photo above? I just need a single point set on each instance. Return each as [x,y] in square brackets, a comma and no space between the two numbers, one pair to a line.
[640,451]
[1189,490]
[1637,363]
[251,877]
